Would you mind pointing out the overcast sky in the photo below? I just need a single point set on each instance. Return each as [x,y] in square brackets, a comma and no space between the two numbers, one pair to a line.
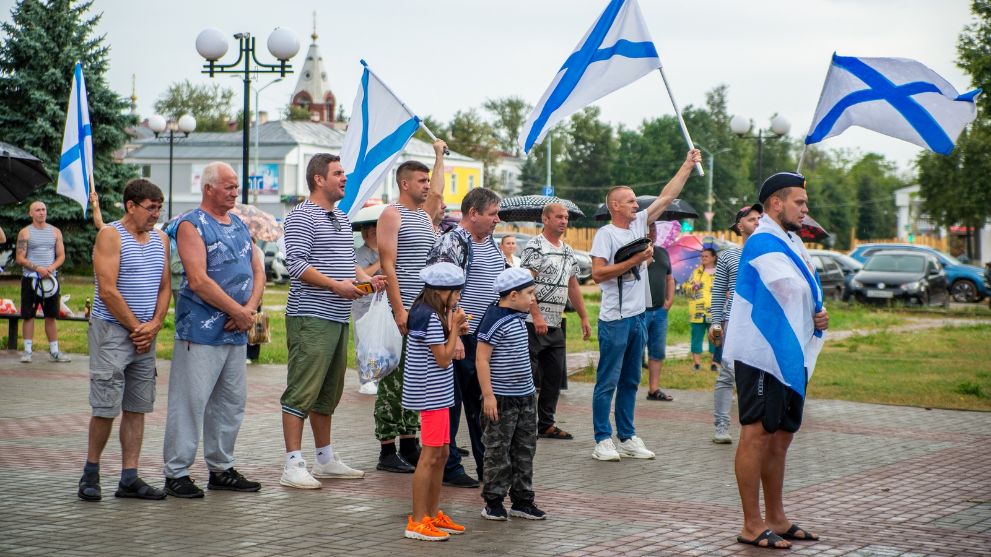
[444,55]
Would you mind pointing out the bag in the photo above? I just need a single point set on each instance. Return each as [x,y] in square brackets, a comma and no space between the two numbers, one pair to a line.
[624,253]
[259,332]
[379,343]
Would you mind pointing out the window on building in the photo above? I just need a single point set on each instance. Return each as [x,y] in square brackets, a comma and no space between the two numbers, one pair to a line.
[454,183]
[471,182]
[146,171]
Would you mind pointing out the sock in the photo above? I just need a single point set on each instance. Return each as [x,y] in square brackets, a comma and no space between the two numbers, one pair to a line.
[91,469]
[408,445]
[388,449]
[127,476]
[325,454]
[292,457]
[27,348]
[53,347]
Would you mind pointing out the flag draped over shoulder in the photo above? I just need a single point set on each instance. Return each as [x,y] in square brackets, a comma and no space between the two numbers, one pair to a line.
[380,127]
[615,52]
[777,293]
[897,97]
[75,178]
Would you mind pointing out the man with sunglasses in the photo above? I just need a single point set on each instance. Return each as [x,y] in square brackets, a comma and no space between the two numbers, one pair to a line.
[130,261]
[321,261]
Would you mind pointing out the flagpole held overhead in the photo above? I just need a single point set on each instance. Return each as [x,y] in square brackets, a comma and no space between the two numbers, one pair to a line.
[681,120]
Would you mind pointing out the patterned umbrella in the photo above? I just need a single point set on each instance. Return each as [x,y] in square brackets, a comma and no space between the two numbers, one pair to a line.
[527,208]
[261,225]
[677,210]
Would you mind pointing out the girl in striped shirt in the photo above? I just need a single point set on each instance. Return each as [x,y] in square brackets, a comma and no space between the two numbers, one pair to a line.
[435,323]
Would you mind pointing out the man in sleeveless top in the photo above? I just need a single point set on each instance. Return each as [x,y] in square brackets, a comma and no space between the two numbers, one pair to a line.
[40,253]
[130,262]
[321,261]
[217,303]
[405,236]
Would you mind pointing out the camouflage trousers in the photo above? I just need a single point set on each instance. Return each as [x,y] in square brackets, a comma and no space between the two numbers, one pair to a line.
[391,419]
[510,444]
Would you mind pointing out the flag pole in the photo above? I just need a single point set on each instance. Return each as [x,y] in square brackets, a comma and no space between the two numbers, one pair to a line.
[800,159]
[805,148]
[423,126]
[681,121]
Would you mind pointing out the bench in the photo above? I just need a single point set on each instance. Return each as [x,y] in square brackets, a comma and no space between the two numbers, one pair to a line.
[14,318]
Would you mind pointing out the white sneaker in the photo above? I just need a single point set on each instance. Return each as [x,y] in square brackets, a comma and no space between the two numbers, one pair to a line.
[297,476]
[26,357]
[336,469]
[634,448]
[369,388]
[59,357]
[605,450]
[722,436]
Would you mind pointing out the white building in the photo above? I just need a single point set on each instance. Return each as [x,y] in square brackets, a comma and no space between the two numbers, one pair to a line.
[911,220]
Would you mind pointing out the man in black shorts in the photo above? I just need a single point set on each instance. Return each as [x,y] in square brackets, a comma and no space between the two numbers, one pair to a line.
[776,330]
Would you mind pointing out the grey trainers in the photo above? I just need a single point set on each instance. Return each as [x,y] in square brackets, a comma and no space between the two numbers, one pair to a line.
[25,357]
[59,357]
[722,436]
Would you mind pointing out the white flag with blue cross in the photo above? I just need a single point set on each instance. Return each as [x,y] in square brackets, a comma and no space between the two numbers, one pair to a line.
[75,173]
[896,97]
[616,51]
[379,129]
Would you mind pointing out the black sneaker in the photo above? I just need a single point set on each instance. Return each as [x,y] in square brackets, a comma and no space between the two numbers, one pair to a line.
[231,480]
[413,458]
[463,451]
[528,511]
[462,480]
[182,487]
[494,511]
[395,463]
[89,488]
[139,490]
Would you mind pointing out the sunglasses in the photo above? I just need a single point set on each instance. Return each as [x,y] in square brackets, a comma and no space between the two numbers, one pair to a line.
[334,221]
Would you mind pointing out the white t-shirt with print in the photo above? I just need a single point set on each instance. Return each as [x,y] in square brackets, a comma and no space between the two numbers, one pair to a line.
[607,241]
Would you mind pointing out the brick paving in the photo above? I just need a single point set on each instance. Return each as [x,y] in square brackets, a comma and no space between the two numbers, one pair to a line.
[871,480]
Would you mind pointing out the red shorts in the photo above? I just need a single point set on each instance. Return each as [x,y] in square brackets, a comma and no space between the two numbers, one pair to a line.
[435,427]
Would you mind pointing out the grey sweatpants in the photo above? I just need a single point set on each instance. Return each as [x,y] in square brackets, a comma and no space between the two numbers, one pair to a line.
[723,395]
[207,392]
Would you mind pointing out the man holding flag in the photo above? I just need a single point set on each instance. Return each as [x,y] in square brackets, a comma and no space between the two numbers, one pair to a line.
[776,331]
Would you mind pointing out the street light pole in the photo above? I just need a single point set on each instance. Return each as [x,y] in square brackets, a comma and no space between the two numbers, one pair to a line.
[711,158]
[258,93]
[779,128]
[185,125]
[212,45]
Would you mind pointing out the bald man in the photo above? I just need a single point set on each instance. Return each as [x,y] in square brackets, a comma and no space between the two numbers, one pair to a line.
[40,253]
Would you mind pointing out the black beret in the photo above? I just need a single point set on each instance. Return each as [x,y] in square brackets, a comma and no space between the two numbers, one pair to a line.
[780,181]
[744,212]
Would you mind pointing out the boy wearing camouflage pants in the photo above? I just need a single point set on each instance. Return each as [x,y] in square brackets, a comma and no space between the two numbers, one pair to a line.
[509,402]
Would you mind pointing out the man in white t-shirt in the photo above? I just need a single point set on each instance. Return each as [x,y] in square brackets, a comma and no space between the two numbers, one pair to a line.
[622,329]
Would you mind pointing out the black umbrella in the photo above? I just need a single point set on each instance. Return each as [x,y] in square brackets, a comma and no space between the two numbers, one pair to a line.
[527,208]
[677,210]
[20,174]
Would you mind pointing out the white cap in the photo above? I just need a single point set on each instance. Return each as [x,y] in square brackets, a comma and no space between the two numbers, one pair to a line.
[443,276]
[513,278]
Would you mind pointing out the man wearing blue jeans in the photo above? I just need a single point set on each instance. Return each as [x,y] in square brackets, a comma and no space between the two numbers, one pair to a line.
[622,323]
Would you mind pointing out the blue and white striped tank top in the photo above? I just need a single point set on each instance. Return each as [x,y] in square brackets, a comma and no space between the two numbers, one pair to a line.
[41,247]
[416,237]
[138,278]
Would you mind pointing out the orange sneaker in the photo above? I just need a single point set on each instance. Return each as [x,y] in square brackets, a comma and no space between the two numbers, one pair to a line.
[444,523]
[424,530]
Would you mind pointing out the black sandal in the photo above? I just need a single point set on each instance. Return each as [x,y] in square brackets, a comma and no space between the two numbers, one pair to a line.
[555,432]
[139,490]
[792,534]
[771,538]
[659,395]
[89,489]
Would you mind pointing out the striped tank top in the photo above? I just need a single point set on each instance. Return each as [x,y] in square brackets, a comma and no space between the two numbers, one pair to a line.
[139,276]
[41,247]
[416,237]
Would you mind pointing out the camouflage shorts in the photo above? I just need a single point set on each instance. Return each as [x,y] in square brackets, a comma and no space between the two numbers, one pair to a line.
[391,419]
[510,445]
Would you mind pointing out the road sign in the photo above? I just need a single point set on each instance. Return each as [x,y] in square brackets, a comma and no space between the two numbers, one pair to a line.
[548,190]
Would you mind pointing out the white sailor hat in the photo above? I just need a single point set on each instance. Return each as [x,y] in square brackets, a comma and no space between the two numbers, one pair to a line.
[512,279]
[45,287]
[443,276]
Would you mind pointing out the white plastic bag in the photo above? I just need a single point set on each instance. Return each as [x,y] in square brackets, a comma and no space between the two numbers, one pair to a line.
[379,343]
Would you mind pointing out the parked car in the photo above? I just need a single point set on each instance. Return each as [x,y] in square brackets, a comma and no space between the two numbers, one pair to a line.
[275,262]
[583,258]
[847,264]
[966,281]
[910,276]
[830,277]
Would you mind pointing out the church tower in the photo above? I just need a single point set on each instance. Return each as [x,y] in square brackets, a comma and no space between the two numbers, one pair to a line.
[313,90]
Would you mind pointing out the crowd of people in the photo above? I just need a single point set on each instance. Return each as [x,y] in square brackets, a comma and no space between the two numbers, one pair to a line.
[482,335]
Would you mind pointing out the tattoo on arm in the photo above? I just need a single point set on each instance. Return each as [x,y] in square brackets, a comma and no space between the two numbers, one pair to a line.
[22,246]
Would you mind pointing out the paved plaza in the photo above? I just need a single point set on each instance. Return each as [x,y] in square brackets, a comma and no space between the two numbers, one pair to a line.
[870,479]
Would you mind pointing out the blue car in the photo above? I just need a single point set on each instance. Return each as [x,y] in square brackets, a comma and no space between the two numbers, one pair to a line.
[966,281]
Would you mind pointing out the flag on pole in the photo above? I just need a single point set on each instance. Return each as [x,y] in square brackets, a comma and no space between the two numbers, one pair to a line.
[380,127]
[897,97]
[75,177]
[616,51]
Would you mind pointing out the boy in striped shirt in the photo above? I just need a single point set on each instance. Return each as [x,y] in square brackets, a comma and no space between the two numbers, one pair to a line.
[509,402]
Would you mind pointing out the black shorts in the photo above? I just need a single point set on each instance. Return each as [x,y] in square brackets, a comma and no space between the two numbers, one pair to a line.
[765,399]
[30,300]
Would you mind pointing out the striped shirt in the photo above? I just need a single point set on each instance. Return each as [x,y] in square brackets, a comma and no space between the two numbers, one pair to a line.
[416,237]
[312,241]
[425,385]
[509,366]
[724,284]
[138,277]
[41,247]
[485,264]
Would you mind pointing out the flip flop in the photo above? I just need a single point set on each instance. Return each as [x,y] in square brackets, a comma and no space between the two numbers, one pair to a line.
[792,534]
[771,538]
[555,432]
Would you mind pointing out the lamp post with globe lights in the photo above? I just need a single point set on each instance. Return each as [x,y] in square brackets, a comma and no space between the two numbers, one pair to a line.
[212,45]
[184,125]
[780,126]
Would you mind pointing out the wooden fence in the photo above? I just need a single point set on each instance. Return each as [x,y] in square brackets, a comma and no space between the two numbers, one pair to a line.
[581,238]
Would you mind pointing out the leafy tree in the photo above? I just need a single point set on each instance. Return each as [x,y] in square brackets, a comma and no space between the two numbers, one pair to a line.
[294,113]
[39,47]
[533,175]
[209,104]
[587,166]
[510,114]
[875,182]
[469,134]
[436,126]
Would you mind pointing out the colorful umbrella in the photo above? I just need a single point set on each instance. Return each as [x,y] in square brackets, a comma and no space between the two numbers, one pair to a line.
[261,225]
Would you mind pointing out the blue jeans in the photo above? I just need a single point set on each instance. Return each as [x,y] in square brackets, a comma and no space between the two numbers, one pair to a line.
[620,353]
[657,333]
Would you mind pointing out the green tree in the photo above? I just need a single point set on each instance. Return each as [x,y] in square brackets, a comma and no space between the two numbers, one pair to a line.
[510,114]
[588,160]
[469,134]
[39,47]
[434,125]
[294,113]
[875,182]
[533,175]
[209,104]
